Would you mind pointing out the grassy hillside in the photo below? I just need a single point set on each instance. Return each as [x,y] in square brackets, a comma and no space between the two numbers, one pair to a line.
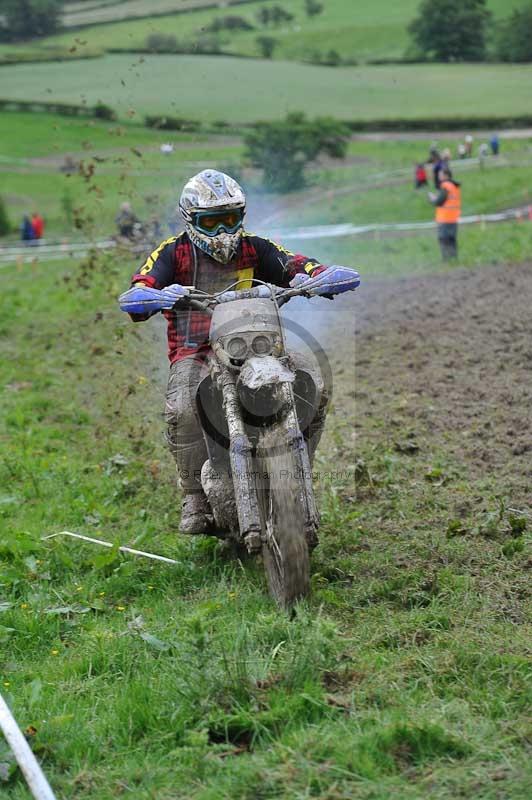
[218,88]
[356,31]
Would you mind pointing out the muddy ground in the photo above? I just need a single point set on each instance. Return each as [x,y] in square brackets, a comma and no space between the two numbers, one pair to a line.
[441,363]
[438,367]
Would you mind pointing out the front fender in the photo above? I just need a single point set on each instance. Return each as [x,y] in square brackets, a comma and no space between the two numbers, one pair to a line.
[264,371]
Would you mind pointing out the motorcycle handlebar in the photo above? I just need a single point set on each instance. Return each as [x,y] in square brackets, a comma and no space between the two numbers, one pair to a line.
[202,302]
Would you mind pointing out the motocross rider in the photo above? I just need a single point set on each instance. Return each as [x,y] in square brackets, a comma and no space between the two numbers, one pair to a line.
[212,252]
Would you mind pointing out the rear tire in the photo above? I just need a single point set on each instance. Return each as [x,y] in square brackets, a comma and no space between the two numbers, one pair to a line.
[284,550]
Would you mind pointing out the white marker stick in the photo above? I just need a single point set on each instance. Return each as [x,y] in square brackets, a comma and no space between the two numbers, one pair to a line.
[39,786]
[122,548]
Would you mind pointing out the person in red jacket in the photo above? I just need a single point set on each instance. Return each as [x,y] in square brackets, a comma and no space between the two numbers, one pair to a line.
[213,251]
[37,223]
[420,176]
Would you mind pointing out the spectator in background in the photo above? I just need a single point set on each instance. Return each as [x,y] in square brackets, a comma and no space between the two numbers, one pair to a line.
[126,220]
[448,202]
[495,144]
[437,167]
[469,145]
[37,223]
[26,229]
[483,152]
[461,150]
[420,176]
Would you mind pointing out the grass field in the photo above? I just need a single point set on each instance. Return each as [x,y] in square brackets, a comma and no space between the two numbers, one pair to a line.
[357,32]
[404,676]
[190,86]
[374,185]
[126,160]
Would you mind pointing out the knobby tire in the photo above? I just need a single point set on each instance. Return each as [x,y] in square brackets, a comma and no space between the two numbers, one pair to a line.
[284,551]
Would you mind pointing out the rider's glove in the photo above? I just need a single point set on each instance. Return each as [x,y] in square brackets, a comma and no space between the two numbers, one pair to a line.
[299,279]
[142,299]
[332,280]
[302,277]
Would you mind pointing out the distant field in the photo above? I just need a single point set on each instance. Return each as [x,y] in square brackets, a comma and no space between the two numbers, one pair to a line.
[127,164]
[109,10]
[216,88]
[26,135]
[358,31]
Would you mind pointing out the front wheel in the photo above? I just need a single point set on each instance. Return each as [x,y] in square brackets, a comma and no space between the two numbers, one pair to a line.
[282,508]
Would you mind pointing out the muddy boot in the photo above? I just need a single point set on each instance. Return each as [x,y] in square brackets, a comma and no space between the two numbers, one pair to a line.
[196,516]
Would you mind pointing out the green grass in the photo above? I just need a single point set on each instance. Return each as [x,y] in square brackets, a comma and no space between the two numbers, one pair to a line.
[126,159]
[28,135]
[484,191]
[401,677]
[374,185]
[190,86]
[369,30]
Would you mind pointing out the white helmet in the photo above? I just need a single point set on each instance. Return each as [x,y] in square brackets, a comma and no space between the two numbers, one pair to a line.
[213,205]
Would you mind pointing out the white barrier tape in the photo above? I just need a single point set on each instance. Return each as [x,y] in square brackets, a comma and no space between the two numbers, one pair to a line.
[78,249]
[47,247]
[39,786]
[328,231]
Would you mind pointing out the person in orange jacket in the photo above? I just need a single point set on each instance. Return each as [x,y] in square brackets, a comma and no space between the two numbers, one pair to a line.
[448,207]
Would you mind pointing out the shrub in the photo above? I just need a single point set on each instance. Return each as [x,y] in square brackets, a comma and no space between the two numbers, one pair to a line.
[332,59]
[313,8]
[283,149]
[273,15]
[267,45]
[229,23]
[103,111]
[161,42]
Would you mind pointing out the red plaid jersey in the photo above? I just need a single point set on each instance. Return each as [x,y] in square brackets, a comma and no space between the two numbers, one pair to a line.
[176,260]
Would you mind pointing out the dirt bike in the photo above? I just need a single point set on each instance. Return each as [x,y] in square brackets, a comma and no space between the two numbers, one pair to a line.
[255,407]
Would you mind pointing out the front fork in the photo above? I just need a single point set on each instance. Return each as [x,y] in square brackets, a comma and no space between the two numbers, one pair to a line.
[241,460]
[296,443]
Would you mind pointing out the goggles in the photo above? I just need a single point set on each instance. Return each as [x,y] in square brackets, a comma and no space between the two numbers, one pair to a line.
[211,223]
